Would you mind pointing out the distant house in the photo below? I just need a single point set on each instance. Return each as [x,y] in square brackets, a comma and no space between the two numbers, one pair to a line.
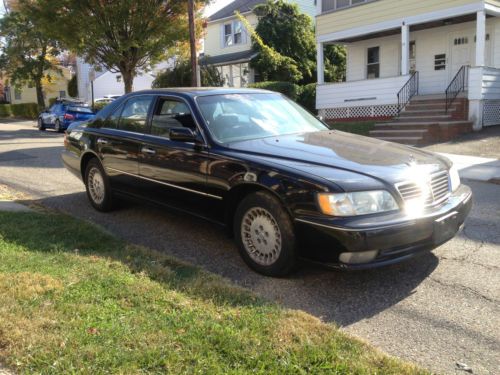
[432,63]
[105,82]
[56,88]
[228,45]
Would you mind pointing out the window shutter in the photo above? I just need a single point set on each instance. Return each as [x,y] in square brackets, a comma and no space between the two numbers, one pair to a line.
[222,44]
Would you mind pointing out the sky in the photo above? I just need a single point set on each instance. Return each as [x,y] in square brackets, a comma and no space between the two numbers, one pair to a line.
[216,5]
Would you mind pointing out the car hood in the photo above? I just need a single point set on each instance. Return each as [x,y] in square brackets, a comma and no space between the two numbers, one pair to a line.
[330,154]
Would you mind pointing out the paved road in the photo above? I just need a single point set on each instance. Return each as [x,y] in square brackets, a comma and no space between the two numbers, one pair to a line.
[436,310]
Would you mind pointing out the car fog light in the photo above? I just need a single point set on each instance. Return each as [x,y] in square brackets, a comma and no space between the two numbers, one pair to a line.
[358,258]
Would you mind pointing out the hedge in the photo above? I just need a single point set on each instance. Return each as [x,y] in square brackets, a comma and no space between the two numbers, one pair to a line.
[25,110]
[304,95]
[286,88]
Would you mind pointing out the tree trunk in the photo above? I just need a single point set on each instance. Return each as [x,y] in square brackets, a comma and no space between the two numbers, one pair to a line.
[128,81]
[39,94]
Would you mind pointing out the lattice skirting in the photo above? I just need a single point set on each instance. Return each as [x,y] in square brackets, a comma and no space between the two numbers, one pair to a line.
[375,111]
[491,112]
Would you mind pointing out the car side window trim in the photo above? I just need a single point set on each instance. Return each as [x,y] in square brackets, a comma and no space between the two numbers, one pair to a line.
[182,100]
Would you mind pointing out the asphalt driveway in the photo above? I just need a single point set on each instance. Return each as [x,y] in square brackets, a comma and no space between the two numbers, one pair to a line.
[436,310]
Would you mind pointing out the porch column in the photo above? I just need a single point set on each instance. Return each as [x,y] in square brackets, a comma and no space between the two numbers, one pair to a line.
[405,50]
[320,64]
[480,38]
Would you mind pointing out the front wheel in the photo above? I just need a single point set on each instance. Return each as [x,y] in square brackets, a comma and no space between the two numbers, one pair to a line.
[40,125]
[98,187]
[265,235]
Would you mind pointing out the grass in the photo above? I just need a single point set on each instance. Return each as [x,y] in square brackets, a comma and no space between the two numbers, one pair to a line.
[361,128]
[74,299]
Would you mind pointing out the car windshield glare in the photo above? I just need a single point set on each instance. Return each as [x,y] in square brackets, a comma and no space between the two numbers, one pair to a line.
[246,116]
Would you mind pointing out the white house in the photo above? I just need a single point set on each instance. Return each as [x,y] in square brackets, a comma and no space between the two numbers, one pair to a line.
[398,49]
[228,45]
[105,82]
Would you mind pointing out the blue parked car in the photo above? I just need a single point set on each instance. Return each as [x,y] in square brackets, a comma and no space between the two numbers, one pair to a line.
[62,114]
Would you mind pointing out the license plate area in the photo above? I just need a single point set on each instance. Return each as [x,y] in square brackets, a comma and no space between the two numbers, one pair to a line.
[446,227]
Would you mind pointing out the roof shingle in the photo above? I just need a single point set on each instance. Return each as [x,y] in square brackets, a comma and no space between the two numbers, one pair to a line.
[241,6]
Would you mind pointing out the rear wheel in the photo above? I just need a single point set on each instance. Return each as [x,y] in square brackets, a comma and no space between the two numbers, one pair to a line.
[41,125]
[98,187]
[57,126]
[265,236]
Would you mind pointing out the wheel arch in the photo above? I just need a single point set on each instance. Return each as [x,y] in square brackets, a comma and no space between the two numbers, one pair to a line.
[84,161]
[237,193]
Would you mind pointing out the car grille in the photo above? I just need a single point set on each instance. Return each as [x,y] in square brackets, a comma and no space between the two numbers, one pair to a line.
[436,190]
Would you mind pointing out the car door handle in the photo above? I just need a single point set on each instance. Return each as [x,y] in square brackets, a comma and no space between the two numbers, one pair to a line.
[102,141]
[149,151]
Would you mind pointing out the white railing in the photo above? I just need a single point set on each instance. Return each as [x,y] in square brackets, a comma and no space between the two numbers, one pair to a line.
[369,92]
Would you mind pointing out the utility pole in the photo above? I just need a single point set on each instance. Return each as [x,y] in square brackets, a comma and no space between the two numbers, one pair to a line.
[192,43]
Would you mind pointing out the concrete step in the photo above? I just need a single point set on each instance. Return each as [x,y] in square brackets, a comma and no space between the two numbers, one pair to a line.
[420,124]
[411,141]
[423,118]
[398,133]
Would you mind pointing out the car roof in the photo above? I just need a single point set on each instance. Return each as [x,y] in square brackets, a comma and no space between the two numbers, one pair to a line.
[201,91]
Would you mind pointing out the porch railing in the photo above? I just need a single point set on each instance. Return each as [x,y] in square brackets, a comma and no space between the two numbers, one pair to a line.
[458,84]
[409,90]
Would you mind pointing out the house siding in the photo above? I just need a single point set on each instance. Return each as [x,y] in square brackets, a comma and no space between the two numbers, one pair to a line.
[380,11]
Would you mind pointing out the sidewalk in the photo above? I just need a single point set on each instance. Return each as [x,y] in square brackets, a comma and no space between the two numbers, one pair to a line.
[13,207]
[476,168]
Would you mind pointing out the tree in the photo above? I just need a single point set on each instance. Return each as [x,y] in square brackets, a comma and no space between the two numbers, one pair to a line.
[27,54]
[73,87]
[290,33]
[181,75]
[123,36]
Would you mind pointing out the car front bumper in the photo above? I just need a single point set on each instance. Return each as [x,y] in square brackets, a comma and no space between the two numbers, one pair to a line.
[395,237]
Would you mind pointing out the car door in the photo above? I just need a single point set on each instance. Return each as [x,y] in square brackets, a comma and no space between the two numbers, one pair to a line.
[175,171]
[119,139]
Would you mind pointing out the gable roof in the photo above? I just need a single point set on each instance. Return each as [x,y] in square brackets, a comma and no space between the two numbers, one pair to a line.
[241,6]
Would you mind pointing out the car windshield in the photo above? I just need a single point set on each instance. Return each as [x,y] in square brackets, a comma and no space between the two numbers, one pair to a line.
[237,117]
[80,109]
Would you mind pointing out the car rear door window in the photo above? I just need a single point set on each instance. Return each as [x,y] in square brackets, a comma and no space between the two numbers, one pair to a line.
[135,114]
[171,113]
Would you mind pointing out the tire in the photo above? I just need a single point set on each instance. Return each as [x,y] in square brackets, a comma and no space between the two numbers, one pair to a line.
[40,125]
[98,187]
[57,126]
[265,235]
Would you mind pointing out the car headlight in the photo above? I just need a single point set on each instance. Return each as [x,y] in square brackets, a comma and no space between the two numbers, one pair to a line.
[454,178]
[357,203]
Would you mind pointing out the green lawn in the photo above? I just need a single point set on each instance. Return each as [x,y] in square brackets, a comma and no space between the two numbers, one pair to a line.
[77,300]
[362,127]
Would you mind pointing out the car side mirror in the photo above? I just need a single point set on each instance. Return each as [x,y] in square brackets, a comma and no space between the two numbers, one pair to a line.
[182,135]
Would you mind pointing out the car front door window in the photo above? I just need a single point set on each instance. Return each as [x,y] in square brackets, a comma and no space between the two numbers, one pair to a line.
[135,114]
[171,113]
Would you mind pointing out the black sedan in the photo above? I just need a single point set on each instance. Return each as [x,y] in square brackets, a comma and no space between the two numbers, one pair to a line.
[283,183]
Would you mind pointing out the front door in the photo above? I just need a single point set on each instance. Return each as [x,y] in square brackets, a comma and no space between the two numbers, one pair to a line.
[174,171]
[462,52]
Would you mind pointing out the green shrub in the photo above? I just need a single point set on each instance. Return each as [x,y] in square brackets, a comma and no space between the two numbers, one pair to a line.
[307,97]
[99,106]
[180,76]
[25,110]
[286,88]
[73,87]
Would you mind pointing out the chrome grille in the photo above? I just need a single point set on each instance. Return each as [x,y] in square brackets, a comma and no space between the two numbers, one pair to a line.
[434,191]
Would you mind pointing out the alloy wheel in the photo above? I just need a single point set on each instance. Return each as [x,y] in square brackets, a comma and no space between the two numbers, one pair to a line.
[261,236]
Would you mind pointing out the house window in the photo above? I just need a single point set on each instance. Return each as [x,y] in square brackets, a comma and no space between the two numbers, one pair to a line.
[228,34]
[233,33]
[341,4]
[373,63]
[18,94]
[460,41]
[440,62]
[487,38]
